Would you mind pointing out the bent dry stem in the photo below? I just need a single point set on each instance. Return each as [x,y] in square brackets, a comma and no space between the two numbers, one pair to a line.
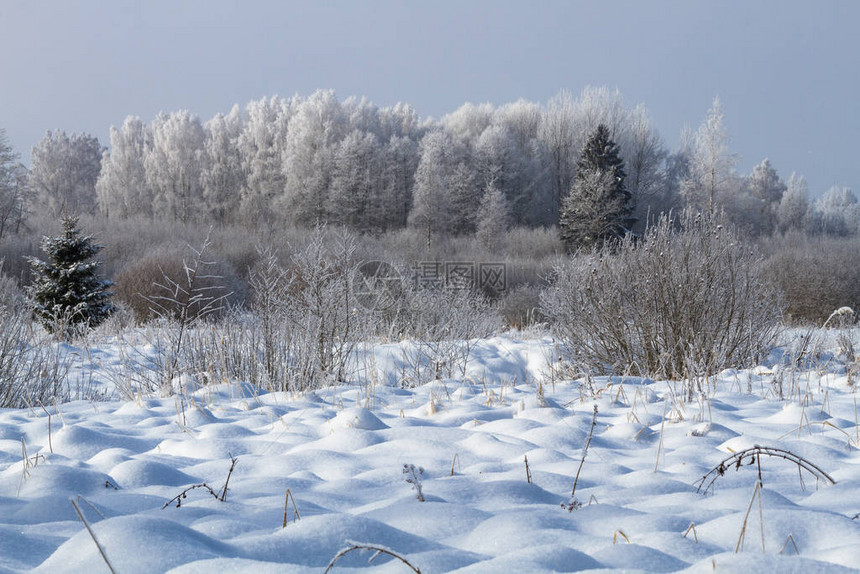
[753,456]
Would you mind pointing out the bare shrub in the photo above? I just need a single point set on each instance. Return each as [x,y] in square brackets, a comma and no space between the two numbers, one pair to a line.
[14,251]
[32,369]
[304,324]
[520,307]
[320,305]
[10,295]
[444,325]
[677,304]
[138,284]
[817,275]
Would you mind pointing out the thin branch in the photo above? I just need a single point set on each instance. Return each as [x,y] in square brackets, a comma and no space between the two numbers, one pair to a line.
[233,461]
[752,456]
[184,494]
[377,551]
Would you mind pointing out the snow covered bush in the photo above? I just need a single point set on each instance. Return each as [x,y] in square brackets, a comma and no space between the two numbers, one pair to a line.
[414,475]
[675,304]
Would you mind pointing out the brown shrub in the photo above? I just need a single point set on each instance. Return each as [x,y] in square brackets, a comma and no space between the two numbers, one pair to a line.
[817,275]
[144,285]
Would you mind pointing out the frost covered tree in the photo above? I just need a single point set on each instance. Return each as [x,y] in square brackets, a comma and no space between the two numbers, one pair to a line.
[711,165]
[13,187]
[794,205]
[527,184]
[64,172]
[493,218]
[599,207]
[260,147]
[356,189]
[399,165]
[646,166]
[765,183]
[122,189]
[430,203]
[400,120]
[748,212]
[766,189]
[67,294]
[501,161]
[173,166]
[464,190]
[837,212]
[598,105]
[316,128]
[469,121]
[221,174]
[557,137]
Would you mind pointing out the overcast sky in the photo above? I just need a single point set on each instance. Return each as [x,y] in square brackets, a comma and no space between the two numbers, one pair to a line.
[787,71]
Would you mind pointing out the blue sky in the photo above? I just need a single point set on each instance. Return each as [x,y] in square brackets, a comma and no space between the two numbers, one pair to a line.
[787,72]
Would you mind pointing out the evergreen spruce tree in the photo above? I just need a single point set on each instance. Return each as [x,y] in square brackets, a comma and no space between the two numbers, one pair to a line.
[599,207]
[67,294]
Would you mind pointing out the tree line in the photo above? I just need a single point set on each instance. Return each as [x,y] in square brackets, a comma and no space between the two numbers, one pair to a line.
[317,159]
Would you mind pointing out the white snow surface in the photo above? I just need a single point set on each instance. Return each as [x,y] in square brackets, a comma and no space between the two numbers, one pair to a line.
[341,451]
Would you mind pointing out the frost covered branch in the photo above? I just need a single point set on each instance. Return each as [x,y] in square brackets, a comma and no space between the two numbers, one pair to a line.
[752,456]
[376,549]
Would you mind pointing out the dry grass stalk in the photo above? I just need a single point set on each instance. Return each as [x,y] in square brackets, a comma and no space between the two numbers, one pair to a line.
[528,472]
[585,450]
[573,503]
[793,543]
[660,444]
[80,498]
[50,442]
[27,463]
[756,493]
[93,536]
[822,424]
[616,534]
[692,528]
[377,550]
[287,498]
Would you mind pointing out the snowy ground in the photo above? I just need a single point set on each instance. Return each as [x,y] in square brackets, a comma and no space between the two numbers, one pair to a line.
[341,453]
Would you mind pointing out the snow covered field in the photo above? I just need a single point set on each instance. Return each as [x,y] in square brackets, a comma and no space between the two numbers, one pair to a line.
[341,453]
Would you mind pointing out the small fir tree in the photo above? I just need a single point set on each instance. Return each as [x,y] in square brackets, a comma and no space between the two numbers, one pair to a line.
[599,206]
[67,294]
